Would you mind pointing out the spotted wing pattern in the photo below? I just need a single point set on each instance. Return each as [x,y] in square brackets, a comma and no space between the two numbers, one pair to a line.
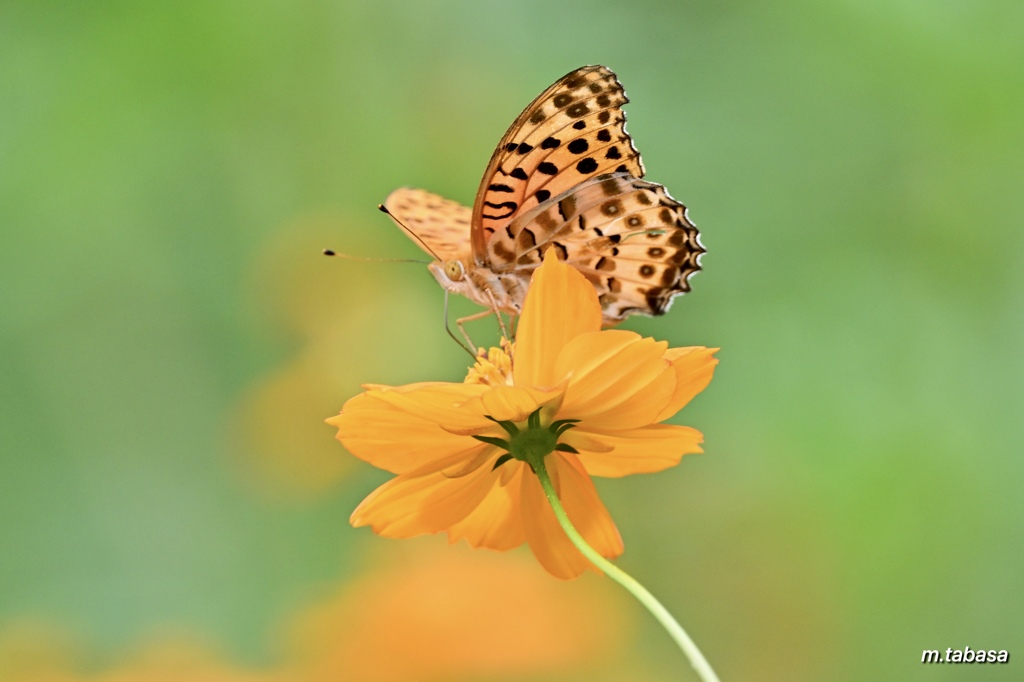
[629,237]
[572,132]
[441,225]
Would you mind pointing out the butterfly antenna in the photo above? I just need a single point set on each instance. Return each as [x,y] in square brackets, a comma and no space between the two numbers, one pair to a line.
[384,209]
[332,252]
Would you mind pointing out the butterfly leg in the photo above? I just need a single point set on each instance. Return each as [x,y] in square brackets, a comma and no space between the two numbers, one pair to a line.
[497,314]
[470,318]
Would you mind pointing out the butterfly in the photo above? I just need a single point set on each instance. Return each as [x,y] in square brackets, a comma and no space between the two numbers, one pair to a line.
[565,176]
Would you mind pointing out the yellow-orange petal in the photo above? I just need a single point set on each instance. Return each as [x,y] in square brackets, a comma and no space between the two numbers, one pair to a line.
[581,440]
[617,378]
[547,540]
[406,506]
[398,441]
[496,522]
[588,514]
[694,367]
[511,403]
[437,402]
[585,508]
[638,451]
[560,305]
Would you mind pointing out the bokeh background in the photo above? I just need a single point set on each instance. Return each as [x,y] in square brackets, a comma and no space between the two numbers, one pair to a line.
[172,505]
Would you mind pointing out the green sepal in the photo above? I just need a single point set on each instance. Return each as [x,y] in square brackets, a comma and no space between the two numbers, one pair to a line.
[565,447]
[510,427]
[562,425]
[490,440]
[501,460]
[533,421]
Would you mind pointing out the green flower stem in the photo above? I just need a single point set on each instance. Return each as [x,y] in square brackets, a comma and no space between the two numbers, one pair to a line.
[675,630]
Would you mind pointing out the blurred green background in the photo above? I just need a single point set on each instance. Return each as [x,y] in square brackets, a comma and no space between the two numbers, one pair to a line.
[171,339]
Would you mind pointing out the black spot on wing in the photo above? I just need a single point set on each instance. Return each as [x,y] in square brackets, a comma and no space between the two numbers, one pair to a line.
[527,240]
[567,207]
[577,110]
[576,82]
[657,300]
[611,208]
[610,187]
[510,205]
[578,146]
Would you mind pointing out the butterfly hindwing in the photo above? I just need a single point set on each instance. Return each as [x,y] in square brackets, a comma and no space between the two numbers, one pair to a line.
[573,131]
[629,237]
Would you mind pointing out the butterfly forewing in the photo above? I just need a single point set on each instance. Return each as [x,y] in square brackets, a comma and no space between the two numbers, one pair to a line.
[574,131]
[439,224]
[629,237]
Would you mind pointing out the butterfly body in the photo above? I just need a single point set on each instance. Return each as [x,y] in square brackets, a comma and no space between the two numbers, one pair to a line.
[566,177]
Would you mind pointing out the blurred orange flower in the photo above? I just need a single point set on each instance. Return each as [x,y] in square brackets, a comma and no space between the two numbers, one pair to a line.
[594,399]
[428,613]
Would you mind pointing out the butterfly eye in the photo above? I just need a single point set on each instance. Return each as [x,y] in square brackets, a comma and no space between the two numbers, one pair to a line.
[454,270]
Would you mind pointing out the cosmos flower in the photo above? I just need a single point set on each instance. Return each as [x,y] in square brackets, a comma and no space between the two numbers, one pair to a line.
[589,402]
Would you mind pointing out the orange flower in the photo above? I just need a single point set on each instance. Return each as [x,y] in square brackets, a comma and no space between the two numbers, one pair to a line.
[432,614]
[592,401]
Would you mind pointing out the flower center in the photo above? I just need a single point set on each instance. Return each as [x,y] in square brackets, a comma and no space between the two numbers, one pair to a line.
[530,442]
[492,367]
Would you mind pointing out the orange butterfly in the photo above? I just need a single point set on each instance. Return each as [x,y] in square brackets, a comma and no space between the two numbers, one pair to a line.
[565,176]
